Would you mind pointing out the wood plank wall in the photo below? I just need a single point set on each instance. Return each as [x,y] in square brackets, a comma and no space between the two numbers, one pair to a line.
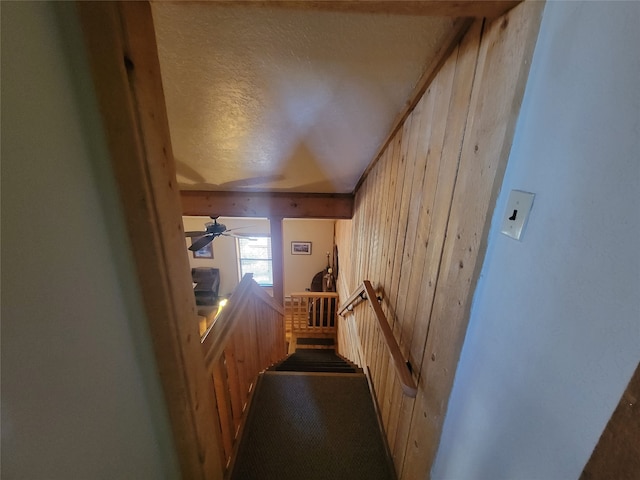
[420,224]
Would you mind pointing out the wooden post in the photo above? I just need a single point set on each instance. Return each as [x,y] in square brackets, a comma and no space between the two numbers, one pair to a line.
[277,259]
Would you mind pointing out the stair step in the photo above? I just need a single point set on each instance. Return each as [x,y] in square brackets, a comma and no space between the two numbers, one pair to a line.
[320,364]
[316,369]
[310,360]
[312,426]
[314,341]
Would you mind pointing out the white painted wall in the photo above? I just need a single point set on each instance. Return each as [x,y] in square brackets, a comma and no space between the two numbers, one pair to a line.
[80,395]
[300,269]
[554,334]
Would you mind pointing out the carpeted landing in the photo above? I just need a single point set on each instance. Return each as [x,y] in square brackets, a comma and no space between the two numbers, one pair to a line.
[312,426]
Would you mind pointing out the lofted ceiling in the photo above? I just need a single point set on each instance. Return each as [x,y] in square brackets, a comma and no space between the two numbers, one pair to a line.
[272,99]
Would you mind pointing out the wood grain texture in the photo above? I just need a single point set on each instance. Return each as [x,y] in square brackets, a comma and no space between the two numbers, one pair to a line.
[459,29]
[247,337]
[421,218]
[433,8]
[283,205]
[120,41]
[404,376]
[307,310]
[617,454]
[505,55]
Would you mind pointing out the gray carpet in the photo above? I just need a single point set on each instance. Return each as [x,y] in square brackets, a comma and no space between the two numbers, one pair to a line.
[312,427]
[315,360]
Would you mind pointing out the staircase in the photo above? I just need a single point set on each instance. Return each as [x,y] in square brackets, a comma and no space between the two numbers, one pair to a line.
[312,417]
[315,360]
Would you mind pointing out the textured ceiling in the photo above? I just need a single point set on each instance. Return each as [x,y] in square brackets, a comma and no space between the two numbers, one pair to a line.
[285,100]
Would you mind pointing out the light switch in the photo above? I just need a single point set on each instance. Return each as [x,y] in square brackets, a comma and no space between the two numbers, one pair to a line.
[517,213]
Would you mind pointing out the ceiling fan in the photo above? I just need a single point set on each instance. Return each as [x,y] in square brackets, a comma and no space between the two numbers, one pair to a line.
[212,230]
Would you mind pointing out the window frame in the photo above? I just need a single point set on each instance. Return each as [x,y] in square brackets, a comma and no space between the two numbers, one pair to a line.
[240,258]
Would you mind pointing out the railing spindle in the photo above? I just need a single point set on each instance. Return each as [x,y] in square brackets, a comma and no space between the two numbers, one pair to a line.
[314,312]
[221,388]
[245,338]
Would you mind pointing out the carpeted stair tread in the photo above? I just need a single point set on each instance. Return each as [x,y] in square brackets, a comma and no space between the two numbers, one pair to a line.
[326,352]
[318,370]
[316,364]
[314,341]
[313,360]
[312,427]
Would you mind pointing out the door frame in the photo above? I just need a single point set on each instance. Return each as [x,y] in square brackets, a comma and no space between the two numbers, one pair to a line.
[121,45]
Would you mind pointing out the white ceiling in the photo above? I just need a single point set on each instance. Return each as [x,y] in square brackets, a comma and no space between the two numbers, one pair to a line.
[271,99]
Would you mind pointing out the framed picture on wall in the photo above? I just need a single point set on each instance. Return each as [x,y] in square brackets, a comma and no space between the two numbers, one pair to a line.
[204,252]
[300,248]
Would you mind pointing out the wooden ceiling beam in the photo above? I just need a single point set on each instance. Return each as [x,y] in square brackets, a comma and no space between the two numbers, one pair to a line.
[433,8]
[261,204]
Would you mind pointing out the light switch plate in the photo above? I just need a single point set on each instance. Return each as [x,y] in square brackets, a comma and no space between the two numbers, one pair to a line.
[516,214]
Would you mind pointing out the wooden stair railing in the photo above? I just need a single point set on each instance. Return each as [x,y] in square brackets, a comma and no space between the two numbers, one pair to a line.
[247,337]
[366,291]
[313,312]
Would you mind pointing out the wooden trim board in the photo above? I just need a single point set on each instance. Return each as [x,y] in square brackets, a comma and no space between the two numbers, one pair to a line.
[262,204]
[434,8]
[121,45]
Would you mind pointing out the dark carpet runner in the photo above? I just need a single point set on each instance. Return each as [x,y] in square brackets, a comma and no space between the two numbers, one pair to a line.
[315,341]
[312,417]
[314,360]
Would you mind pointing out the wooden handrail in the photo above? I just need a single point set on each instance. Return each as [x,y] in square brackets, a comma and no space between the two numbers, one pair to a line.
[245,338]
[215,338]
[409,387]
[314,294]
[352,298]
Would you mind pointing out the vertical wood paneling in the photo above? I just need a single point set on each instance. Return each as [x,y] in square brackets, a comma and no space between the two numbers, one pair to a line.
[386,214]
[436,216]
[420,222]
[391,387]
[497,91]
[420,242]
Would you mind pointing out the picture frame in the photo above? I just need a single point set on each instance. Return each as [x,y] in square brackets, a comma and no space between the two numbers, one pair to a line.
[300,248]
[204,252]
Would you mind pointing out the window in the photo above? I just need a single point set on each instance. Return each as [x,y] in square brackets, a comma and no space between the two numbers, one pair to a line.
[254,256]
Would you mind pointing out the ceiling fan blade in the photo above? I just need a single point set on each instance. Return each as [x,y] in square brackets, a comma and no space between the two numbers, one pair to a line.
[201,242]
[235,235]
[194,234]
[238,228]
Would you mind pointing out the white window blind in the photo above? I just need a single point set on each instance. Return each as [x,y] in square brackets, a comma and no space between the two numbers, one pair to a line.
[254,256]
